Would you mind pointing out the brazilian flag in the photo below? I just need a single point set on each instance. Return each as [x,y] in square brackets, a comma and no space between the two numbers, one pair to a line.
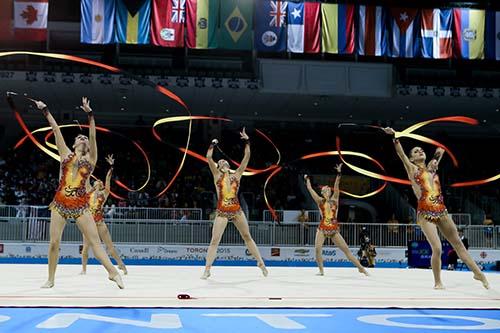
[236,24]
[133,21]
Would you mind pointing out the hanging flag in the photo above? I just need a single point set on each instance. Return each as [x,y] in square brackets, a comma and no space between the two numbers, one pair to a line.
[403,32]
[303,27]
[270,22]
[337,28]
[372,39]
[236,24]
[202,22]
[435,33]
[30,19]
[98,21]
[167,23]
[6,10]
[493,35]
[468,33]
[133,21]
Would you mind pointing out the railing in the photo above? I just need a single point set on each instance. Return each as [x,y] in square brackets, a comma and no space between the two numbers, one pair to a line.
[132,213]
[31,229]
[314,216]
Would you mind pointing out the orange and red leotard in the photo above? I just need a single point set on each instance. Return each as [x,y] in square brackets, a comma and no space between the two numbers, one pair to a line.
[227,191]
[430,204]
[71,198]
[96,205]
[328,225]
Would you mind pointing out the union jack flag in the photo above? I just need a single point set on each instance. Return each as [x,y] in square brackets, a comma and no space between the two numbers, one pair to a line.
[178,11]
[278,13]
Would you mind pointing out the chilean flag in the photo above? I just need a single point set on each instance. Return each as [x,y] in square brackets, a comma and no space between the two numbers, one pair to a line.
[30,19]
[303,27]
[372,39]
[403,32]
[436,33]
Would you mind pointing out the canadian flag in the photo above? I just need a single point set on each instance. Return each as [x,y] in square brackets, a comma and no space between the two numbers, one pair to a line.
[30,19]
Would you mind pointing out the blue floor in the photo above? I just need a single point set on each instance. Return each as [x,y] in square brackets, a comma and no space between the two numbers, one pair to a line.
[26,320]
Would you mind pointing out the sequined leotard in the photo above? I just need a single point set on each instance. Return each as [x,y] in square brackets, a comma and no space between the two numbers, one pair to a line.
[430,204]
[227,191]
[96,205]
[71,198]
[328,225]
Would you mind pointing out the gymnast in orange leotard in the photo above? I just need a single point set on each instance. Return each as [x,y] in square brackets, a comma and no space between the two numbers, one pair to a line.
[328,204]
[98,195]
[227,183]
[72,199]
[431,211]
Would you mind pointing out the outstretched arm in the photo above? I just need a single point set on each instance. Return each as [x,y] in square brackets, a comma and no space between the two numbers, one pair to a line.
[107,184]
[246,157]
[92,131]
[336,190]
[211,163]
[400,151]
[434,162]
[60,143]
[313,193]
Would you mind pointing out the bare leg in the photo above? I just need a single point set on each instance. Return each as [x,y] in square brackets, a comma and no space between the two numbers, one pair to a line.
[57,224]
[342,245]
[218,228]
[241,224]
[449,231]
[88,228]
[85,256]
[105,236]
[318,246]
[432,236]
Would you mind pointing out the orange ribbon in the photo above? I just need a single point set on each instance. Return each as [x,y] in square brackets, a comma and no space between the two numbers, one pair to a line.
[160,89]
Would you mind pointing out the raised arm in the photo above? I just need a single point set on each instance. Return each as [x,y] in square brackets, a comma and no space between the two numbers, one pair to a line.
[313,193]
[434,162]
[92,131]
[211,163]
[400,151]
[107,184]
[336,190]
[60,143]
[246,157]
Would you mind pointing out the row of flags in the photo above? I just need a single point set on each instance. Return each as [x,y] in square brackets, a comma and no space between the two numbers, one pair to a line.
[271,26]
[299,27]
[24,19]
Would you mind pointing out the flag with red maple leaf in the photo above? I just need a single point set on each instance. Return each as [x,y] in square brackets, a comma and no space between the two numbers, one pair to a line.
[30,19]
[30,14]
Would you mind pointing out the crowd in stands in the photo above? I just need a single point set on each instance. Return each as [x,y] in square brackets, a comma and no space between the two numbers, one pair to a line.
[28,177]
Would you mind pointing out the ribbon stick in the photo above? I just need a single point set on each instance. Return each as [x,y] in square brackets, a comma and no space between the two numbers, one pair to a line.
[249,171]
[317,155]
[408,132]
[160,89]
[351,153]
[38,144]
[367,172]
[100,129]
